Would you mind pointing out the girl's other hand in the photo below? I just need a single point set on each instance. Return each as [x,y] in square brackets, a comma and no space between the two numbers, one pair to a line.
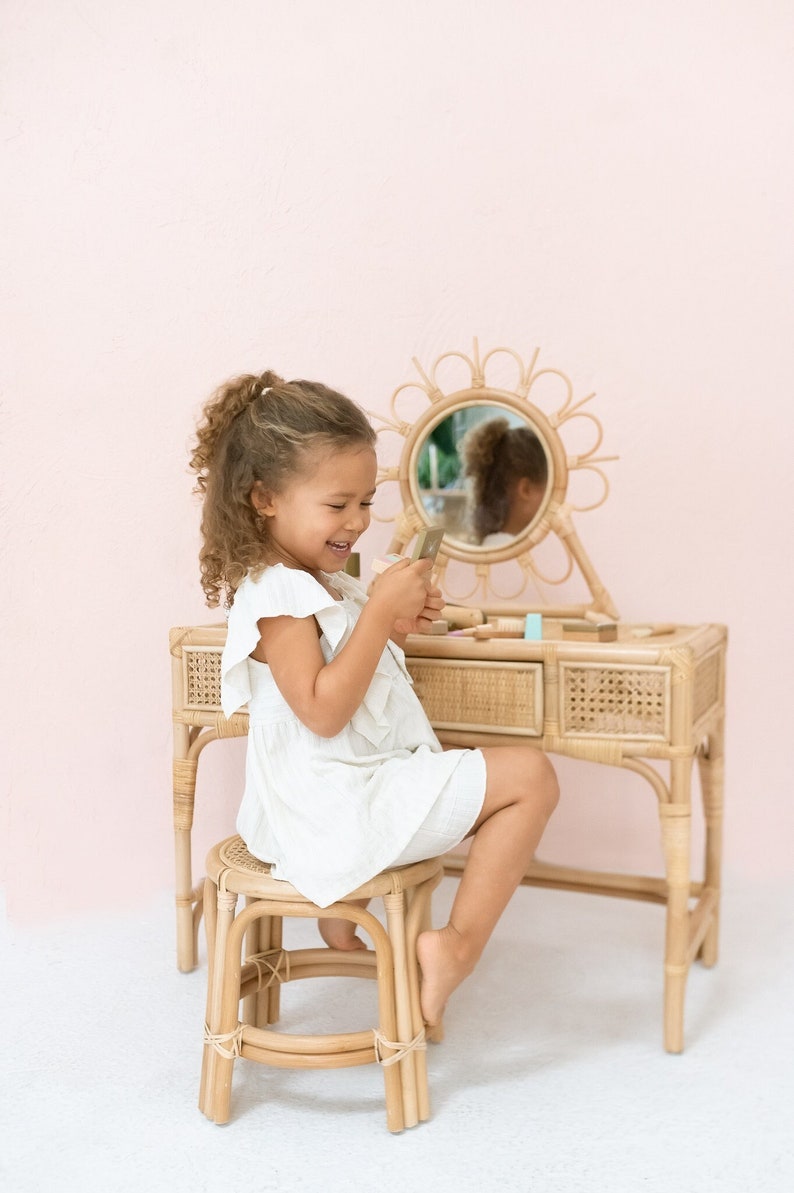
[430,612]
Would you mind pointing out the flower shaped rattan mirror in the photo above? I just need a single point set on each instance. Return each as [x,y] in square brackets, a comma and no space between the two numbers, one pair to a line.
[485,455]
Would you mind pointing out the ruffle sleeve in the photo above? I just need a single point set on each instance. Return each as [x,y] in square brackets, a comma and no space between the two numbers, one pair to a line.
[279,592]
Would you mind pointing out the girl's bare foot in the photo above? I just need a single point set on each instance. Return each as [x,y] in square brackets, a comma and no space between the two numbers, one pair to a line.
[445,962]
[340,934]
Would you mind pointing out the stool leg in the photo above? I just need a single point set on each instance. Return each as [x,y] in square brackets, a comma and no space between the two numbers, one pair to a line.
[271,1009]
[395,924]
[210,928]
[264,935]
[210,924]
[387,1018]
[219,1067]
[198,912]
[257,940]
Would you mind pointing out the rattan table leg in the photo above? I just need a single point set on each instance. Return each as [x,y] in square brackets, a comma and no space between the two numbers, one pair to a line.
[184,789]
[186,924]
[676,823]
[712,769]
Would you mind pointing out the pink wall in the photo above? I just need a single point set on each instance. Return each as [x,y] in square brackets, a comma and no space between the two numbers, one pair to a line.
[330,190]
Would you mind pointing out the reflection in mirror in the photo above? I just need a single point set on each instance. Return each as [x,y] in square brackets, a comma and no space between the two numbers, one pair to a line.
[483,475]
[527,543]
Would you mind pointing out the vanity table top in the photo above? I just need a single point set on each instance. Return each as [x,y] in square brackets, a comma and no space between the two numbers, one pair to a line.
[631,645]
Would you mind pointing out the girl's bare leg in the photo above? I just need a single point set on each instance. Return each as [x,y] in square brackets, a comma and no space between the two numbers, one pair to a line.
[521,793]
[341,934]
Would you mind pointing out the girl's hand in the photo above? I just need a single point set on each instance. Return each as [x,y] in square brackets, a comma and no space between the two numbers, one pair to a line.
[433,605]
[402,591]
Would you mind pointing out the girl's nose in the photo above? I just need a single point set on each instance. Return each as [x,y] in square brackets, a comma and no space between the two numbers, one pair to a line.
[358,520]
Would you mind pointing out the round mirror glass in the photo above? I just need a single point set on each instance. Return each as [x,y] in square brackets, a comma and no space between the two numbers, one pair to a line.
[484,473]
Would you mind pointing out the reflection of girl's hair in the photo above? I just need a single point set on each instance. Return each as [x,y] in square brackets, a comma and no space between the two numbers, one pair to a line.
[495,456]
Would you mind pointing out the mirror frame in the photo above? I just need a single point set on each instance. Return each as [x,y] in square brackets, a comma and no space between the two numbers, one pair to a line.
[554,516]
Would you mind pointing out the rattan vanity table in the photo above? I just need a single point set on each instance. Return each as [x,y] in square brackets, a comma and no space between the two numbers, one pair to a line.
[650,704]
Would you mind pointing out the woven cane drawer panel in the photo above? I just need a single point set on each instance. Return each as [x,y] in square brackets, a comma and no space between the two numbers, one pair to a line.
[707,685]
[472,695]
[202,676]
[617,700]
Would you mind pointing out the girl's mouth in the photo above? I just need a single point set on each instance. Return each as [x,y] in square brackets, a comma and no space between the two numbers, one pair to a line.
[340,548]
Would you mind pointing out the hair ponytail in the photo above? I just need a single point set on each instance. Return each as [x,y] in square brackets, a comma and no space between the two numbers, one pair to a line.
[220,412]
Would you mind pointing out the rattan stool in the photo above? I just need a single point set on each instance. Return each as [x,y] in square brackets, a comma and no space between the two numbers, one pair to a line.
[398,1041]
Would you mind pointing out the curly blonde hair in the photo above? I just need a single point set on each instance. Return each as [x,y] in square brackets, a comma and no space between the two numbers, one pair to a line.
[496,455]
[258,429]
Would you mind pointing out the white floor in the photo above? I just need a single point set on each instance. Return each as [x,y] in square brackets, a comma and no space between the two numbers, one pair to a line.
[552,1076]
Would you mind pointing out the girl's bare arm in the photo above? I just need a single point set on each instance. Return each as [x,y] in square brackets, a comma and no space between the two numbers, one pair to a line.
[325,695]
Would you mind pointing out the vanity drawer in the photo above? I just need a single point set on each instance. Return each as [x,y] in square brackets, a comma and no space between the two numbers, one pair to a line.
[475,695]
[615,700]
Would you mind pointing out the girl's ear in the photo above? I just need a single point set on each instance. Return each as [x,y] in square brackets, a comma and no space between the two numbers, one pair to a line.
[261,499]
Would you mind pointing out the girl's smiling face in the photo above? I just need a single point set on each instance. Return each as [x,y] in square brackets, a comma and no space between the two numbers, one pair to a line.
[315,520]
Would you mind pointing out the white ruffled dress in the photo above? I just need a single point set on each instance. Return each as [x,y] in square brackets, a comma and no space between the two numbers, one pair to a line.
[330,813]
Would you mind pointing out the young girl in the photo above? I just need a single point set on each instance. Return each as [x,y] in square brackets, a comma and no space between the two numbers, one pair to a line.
[508,470]
[344,775]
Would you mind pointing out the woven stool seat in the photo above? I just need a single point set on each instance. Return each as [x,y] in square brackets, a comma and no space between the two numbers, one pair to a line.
[248,965]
